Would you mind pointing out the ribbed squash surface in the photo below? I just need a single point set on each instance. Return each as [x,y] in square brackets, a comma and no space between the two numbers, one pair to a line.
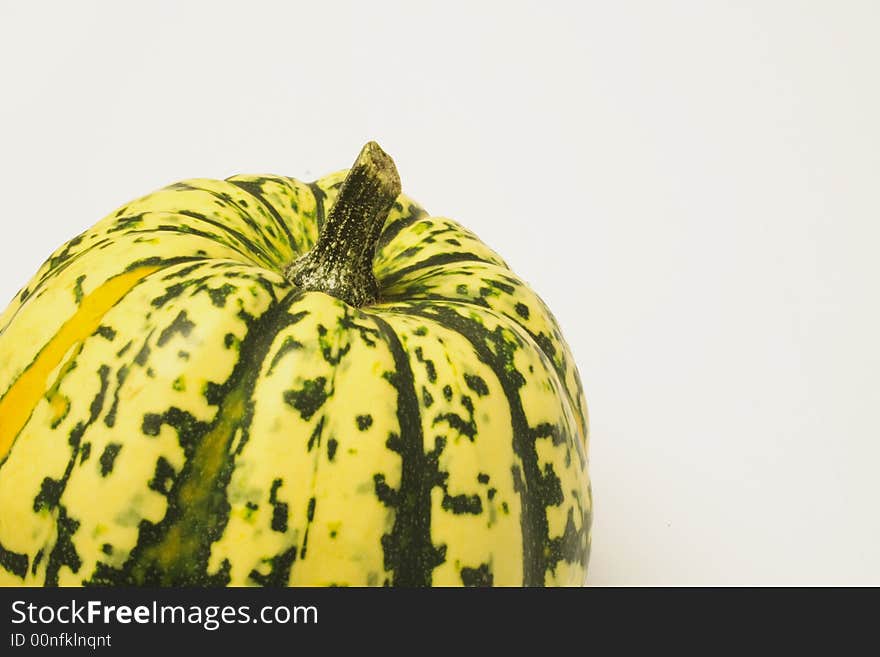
[174,411]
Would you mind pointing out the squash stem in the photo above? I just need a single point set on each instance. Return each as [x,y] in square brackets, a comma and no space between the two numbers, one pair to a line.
[341,262]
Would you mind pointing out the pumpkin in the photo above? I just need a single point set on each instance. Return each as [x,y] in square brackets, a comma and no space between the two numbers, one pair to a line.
[259,381]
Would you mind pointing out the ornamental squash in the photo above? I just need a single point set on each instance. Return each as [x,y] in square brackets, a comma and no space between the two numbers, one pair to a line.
[258,381]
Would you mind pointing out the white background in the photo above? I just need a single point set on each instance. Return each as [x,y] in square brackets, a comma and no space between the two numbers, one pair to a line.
[693,187]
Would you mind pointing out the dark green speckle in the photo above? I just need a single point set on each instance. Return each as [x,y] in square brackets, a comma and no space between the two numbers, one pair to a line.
[308,399]
[108,457]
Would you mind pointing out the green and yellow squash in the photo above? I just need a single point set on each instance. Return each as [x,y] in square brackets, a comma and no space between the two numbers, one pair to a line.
[258,381]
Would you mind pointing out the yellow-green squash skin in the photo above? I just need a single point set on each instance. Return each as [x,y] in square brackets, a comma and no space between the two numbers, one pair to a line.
[175,411]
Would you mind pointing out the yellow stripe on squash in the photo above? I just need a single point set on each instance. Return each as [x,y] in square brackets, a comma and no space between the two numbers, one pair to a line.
[18,403]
